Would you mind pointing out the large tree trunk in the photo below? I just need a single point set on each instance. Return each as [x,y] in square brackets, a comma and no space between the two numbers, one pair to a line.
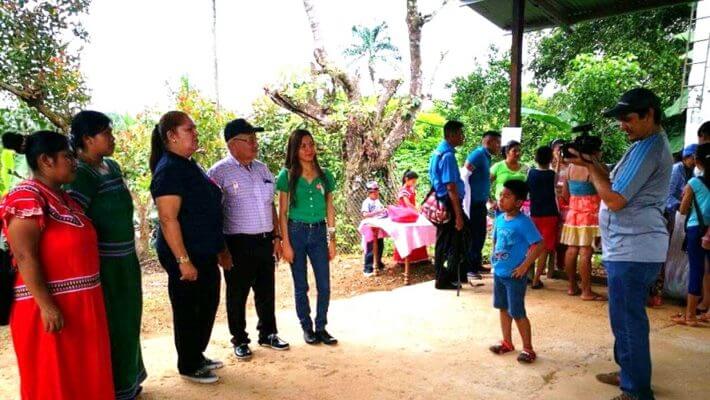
[215,64]
[370,140]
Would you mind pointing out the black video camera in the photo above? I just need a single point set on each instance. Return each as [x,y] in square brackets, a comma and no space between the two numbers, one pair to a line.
[584,143]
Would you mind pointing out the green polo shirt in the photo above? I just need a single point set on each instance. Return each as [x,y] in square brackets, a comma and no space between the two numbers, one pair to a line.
[309,205]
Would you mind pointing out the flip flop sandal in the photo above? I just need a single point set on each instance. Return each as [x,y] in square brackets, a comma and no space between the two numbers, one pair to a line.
[538,285]
[527,356]
[576,292]
[704,318]
[610,378]
[502,347]
[596,297]
[680,319]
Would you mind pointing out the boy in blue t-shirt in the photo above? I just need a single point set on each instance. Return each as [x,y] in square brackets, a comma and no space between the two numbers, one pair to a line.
[516,246]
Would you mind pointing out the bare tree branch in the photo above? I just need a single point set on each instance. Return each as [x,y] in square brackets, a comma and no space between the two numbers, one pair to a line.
[390,88]
[310,111]
[433,14]
[37,102]
[397,135]
[432,78]
[346,82]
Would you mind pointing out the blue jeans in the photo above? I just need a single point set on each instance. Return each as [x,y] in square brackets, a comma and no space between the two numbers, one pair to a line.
[696,260]
[370,257]
[309,240]
[629,285]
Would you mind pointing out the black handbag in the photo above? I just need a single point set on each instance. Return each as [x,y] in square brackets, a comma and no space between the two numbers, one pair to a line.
[7,283]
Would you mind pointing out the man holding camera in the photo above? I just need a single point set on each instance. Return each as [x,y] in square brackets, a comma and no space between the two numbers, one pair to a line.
[634,235]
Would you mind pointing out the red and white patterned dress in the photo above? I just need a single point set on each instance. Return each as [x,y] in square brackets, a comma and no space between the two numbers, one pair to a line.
[420,254]
[74,363]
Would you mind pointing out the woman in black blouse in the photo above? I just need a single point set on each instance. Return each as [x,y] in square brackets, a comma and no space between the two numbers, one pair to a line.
[189,242]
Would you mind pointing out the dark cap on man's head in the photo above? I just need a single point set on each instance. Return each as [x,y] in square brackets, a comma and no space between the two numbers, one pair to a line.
[238,127]
[635,100]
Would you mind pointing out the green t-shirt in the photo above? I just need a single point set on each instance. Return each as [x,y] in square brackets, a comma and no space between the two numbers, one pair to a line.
[503,174]
[309,204]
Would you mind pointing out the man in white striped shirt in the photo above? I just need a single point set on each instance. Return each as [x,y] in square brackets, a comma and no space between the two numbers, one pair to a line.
[252,234]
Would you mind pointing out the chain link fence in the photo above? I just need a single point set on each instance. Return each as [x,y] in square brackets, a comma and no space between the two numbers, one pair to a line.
[348,203]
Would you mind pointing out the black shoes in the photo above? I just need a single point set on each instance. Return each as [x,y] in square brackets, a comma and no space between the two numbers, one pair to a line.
[202,375]
[319,337]
[310,337]
[242,352]
[212,364]
[474,275]
[274,342]
[325,338]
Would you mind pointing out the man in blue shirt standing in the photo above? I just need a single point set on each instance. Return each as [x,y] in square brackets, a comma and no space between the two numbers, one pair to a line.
[446,182]
[479,163]
[634,235]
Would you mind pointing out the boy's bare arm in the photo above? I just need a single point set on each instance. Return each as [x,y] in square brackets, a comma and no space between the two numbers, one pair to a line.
[533,253]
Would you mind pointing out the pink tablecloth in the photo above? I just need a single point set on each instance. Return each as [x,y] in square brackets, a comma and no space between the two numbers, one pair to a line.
[405,236]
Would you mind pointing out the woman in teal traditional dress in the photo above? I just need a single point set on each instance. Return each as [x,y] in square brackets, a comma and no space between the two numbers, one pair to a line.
[99,187]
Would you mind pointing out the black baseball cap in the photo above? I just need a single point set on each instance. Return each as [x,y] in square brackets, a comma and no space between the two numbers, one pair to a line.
[635,100]
[239,126]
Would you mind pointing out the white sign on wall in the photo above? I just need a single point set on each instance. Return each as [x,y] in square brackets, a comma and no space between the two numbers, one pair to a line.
[511,133]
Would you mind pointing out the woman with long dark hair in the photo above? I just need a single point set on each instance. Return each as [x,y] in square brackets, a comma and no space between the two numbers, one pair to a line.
[100,189]
[58,318]
[307,218]
[190,239]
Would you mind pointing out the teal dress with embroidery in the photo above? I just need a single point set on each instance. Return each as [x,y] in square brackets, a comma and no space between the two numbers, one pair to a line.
[107,201]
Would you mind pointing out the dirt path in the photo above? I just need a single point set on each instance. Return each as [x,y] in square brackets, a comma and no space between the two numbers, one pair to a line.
[419,343]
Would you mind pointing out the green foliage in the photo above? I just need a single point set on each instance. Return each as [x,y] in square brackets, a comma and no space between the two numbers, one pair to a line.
[594,83]
[651,36]
[24,120]
[415,151]
[38,59]
[480,101]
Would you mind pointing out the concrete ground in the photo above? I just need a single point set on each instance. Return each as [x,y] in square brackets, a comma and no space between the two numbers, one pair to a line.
[419,343]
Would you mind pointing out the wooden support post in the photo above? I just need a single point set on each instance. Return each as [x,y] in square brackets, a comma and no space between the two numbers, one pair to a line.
[516,62]
[375,250]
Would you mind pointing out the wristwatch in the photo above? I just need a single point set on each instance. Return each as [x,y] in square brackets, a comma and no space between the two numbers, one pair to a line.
[183,259]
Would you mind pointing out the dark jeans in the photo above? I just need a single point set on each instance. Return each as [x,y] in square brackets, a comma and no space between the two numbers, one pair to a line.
[253,268]
[449,250]
[629,283]
[309,242]
[477,229]
[697,257]
[369,256]
[194,307]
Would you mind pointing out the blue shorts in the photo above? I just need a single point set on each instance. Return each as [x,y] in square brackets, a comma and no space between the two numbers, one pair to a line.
[509,294]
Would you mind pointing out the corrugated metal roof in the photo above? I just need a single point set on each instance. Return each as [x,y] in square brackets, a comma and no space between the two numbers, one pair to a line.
[541,14]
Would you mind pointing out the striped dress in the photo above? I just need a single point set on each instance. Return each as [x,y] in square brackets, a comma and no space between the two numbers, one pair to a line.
[108,203]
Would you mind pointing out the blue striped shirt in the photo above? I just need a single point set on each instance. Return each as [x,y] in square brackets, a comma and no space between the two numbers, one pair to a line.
[248,195]
[637,232]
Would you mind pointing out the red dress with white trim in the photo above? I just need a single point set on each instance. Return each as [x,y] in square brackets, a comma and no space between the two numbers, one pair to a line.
[74,363]
[417,255]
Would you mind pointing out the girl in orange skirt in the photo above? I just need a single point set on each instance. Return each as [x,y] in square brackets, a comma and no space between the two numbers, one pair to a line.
[579,232]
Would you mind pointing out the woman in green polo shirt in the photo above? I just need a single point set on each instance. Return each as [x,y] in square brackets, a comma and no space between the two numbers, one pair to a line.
[508,169]
[305,206]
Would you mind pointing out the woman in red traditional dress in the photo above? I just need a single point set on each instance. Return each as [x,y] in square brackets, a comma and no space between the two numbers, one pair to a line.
[58,320]
[407,197]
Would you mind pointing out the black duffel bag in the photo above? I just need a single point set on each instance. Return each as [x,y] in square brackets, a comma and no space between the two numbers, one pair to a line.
[7,283]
